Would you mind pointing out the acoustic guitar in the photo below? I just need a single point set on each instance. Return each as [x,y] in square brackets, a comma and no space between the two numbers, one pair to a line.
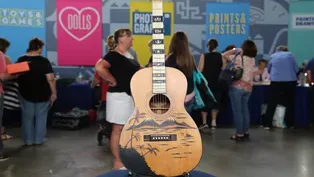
[160,138]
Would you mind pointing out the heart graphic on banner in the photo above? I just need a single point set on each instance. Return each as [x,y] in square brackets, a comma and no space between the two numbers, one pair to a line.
[79,24]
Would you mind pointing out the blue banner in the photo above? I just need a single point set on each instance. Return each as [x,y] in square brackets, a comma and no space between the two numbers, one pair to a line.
[20,21]
[142,23]
[229,23]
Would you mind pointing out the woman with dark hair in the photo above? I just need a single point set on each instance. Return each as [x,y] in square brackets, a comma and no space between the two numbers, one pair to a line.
[11,94]
[210,65]
[38,91]
[180,57]
[118,70]
[2,76]
[240,91]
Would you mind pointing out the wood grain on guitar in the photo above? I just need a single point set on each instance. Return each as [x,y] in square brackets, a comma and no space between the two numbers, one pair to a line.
[160,138]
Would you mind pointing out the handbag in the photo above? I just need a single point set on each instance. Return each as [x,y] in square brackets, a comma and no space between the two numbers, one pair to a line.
[231,73]
[204,98]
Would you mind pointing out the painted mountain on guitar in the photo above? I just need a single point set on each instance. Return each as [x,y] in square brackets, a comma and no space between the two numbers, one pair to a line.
[147,123]
[170,123]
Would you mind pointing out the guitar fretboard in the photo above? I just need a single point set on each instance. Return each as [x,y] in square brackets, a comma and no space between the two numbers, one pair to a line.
[159,70]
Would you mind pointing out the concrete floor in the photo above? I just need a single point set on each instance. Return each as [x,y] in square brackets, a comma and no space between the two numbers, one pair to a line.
[283,153]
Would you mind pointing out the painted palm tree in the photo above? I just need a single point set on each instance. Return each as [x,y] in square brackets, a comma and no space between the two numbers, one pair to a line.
[141,148]
[137,137]
[135,119]
[151,150]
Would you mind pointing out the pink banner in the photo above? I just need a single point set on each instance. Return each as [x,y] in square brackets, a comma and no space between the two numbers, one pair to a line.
[79,32]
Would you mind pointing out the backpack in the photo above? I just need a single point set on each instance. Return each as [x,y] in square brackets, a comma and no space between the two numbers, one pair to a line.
[231,73]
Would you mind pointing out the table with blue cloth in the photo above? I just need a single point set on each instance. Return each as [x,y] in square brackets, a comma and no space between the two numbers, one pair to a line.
[125,173]
[74,94]
[259,97]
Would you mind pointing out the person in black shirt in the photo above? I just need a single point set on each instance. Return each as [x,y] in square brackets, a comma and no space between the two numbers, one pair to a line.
[210,65]
[118,70]
[181,58]
[38,91]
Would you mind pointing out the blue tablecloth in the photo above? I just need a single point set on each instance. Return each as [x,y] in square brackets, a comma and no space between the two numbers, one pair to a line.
[72,95]
[124,173]
[260,96]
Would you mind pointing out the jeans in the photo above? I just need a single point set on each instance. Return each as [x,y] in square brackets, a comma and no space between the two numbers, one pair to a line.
[189,105]
[239,99]
[1,117]
[34,121]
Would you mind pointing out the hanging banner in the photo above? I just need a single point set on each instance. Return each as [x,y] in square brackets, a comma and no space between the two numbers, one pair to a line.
[79,32]
[20,21]
[301,29]
[141,26]
[229,23]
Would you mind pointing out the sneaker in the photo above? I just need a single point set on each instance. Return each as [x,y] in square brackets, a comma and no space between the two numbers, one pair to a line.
[203,126]
[3,158]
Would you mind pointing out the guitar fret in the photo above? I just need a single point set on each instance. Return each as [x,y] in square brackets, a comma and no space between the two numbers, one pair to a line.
[159,74]
[158,47]
[159,56]
[158,63]
[158,51]
[159,78]
[157,5]
[160,86]
[155,68]
[158,18]
[157,12]
[159,60]
[158,41]
[158,36]
[158,25]
[158,30]
[159,81]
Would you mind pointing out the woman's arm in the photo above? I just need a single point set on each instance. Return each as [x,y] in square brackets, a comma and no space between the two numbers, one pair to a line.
[229,54]
[201,63]
[52,83]
[95,82]
[102,68]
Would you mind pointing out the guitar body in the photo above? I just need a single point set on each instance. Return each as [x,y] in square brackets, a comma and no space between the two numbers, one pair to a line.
[160,138]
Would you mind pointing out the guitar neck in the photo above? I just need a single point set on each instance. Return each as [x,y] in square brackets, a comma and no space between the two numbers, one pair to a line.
[158,47]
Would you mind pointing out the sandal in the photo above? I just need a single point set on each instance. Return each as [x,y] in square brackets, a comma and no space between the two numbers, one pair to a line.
[6,137]
[237,138]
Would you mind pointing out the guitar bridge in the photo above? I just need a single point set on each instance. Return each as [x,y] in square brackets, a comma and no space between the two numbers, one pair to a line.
[167,137]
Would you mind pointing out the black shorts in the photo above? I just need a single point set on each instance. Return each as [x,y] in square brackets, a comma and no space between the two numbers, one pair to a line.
[220,92]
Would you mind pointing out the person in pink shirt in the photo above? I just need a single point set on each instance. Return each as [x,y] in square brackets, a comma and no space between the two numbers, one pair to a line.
[240,90]
[261,72]
[2,76]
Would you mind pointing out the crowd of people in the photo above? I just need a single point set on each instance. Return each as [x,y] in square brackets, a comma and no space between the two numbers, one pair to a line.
[30,94]
[281,70]
[35,91]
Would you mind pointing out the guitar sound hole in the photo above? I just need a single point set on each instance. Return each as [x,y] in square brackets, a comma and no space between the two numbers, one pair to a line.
[159,104]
